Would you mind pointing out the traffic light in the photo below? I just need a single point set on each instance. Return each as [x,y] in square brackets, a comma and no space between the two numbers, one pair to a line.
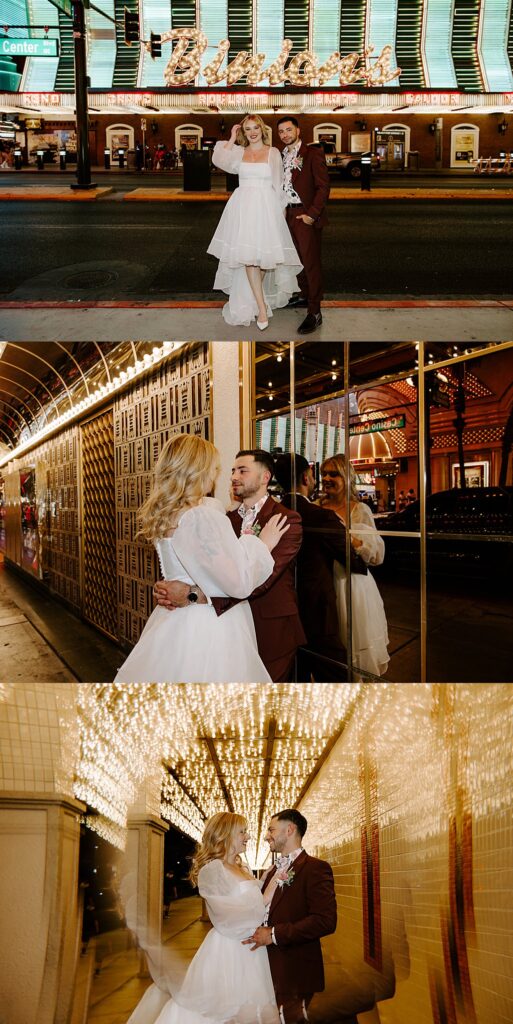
[131,27]
[155,45]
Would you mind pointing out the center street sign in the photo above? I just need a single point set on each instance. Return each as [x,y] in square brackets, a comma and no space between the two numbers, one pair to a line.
[29,47]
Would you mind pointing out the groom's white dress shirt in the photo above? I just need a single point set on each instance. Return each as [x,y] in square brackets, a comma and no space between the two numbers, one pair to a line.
[283,861]
[248,515]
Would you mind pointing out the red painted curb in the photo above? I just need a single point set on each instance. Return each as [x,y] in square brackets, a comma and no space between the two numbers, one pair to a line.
[214,304]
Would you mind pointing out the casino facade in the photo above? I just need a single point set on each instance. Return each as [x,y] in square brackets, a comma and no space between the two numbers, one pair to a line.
[426,83]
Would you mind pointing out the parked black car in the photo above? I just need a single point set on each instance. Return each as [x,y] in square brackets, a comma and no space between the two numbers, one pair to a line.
[484,514]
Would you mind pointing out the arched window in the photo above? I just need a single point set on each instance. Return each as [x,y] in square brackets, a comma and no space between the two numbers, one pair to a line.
[119,136]
[464,145]
[329,133]
[401,128]
[188,134]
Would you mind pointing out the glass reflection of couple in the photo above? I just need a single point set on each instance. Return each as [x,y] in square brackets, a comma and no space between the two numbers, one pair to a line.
[268,241]
[261,963]
[198,547]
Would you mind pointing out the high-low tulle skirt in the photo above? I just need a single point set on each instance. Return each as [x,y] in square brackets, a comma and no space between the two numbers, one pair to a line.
[253,232]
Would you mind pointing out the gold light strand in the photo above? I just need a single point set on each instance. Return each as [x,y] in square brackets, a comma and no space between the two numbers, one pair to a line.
[190,44]
[126,730]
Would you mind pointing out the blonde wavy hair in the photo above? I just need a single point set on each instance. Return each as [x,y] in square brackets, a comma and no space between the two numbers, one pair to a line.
[186,471]
[216,841]
[339,461]
[241,139]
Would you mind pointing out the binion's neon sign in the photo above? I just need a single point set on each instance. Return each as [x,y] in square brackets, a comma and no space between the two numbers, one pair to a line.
[189,45]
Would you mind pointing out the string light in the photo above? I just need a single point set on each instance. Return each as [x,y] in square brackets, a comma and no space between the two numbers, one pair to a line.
[184,64]
[191,751]
[94,398]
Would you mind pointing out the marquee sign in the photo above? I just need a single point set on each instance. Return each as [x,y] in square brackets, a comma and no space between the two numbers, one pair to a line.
[189,45]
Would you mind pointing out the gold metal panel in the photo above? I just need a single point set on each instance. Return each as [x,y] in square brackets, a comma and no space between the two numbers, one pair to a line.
[173,398]
[98,488]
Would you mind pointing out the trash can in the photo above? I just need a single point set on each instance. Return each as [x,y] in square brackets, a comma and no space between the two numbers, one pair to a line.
[196,171]
[413,159]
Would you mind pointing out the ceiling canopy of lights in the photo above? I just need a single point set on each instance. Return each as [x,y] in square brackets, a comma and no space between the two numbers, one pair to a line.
[253,750]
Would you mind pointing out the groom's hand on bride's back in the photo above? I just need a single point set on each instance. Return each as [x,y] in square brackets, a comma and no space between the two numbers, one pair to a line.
[173,594]
[262,936]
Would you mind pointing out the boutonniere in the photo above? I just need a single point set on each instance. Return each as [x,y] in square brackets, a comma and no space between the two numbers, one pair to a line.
[285,877]
[256,529]
[297,163]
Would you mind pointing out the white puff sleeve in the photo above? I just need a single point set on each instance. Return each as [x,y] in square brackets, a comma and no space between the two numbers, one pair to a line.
[276,165]
[228,160]
[363,527]
[235,908]
[219,562]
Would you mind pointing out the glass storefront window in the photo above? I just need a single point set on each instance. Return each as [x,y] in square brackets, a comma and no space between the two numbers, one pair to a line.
[429,431]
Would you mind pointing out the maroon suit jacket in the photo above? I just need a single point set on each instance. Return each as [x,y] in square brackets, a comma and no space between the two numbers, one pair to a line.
[312,183]
[274,604]
[300,914]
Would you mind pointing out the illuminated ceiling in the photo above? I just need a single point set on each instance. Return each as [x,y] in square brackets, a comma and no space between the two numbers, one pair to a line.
[42,383]
[245,748]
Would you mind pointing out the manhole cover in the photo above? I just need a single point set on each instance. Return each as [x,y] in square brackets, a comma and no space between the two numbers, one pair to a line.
[92,279]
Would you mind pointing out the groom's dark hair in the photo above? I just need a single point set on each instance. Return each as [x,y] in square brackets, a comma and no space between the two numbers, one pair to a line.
[283,469]
[282,120]
[296,818]
[259,455]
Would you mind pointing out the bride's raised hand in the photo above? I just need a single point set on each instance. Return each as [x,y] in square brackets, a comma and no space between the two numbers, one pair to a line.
[273,531]
[233,133]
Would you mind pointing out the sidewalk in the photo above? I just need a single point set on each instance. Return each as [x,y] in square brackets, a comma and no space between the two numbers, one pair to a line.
[49,191]
[352,319]
[41,640]
[117,989]
[56,193]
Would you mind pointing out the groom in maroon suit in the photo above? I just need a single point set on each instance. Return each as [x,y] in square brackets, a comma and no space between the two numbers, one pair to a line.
[302,909]
[278,627]
[307,186]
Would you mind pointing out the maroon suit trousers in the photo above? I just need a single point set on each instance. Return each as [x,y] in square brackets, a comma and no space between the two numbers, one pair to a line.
[307,239]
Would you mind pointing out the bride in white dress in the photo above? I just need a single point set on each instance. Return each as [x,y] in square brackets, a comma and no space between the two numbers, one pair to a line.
[196,544]
[226,983]
[370,632]
[258,263]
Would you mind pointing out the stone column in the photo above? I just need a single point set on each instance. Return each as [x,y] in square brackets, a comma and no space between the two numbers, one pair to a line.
[39,921]
[145,868]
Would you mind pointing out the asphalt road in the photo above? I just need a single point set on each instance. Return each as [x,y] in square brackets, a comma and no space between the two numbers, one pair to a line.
[128,179]
[127,251]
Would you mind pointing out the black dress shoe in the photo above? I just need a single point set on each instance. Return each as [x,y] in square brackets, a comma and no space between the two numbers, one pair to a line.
[297,302]
[311,322]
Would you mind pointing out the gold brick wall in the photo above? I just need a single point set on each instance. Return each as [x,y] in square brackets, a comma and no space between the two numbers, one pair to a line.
[175,398]
[414,811]
[59,521]
[99,523]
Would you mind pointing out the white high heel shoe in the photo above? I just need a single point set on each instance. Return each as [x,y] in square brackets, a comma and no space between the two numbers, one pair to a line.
[262,325]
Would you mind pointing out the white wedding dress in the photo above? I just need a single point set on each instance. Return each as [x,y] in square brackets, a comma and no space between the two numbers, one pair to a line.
[226,982]
[253,232]
[194,644]
[370,631]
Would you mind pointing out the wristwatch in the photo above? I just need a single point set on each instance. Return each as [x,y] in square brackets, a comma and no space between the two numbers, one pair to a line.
[193,595]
